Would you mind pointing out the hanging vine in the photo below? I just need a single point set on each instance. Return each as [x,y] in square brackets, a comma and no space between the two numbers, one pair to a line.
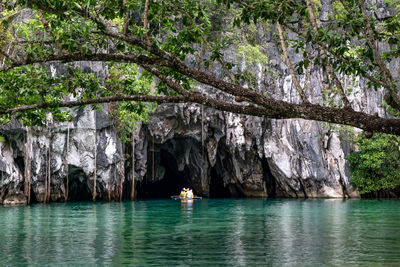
[66,166]
[48,171]
[152,161]
[122,163]
[95,159]
[133,163]
[28,160]
[202,132]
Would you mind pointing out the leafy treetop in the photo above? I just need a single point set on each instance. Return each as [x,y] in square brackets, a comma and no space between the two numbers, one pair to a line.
[147,39]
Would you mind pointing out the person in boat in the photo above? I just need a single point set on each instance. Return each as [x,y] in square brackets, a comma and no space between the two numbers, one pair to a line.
[189,193]
[183,192]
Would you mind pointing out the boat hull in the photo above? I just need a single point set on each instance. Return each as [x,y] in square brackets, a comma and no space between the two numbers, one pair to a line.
[185,198]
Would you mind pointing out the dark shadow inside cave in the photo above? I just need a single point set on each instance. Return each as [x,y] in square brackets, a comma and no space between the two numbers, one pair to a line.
[78,189]
[20,163]
[269,179]
[33,198]
[170,185]
[223,164]
[166,157]
[217,189]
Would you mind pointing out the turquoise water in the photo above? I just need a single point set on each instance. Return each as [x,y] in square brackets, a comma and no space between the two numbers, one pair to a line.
[214,232]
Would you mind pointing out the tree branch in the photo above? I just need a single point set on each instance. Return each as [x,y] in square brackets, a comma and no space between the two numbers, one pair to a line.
[386,75]
[371,42]
[48,30]
[281,110]
[104,57]
[178,65]
[289,64]
[174,86]
[127,19]
[8,57]
[146,21]
[259,105]
[99,100]
[385,72]
[325,59]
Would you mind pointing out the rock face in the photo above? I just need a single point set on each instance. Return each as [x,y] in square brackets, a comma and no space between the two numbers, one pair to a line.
[245,156]
[53,168]
[218,154]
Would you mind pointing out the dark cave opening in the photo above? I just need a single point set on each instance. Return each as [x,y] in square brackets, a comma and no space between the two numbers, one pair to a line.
[172,182]
[217,188]
[78,188]
[20,163]
[269,179]
[167,157]
[223,165]
[32,197]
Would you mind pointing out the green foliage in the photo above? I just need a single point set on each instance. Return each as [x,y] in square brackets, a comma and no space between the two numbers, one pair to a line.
[187,29]
[126,79]
[376,166]
[174,27]
[253,54]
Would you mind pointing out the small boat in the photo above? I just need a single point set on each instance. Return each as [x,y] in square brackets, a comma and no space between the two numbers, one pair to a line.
[187,198]
[186,194]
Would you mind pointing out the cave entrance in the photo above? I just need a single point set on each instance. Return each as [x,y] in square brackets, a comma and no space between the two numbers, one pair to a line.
[223,167]
[217,188]
[78,188]
[171,183]
[33,198]
[167,159]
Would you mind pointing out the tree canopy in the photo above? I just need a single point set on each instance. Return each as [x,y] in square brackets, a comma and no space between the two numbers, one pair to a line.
[147,39]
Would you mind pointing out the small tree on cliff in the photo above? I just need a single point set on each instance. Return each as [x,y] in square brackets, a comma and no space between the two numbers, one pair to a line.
[158,36]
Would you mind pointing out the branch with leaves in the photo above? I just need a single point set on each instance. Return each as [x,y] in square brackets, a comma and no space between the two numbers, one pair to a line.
[160,42]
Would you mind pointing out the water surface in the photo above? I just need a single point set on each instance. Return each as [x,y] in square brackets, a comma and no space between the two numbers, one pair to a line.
[211,232]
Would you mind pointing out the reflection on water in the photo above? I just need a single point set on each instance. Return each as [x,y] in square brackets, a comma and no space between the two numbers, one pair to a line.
[223,232]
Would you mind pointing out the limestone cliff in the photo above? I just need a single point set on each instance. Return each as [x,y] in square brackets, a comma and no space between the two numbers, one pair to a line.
[216,153]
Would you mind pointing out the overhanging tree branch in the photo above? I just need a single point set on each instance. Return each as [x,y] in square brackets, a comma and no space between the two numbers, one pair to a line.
[104,57]
[281,110]
[153,57]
